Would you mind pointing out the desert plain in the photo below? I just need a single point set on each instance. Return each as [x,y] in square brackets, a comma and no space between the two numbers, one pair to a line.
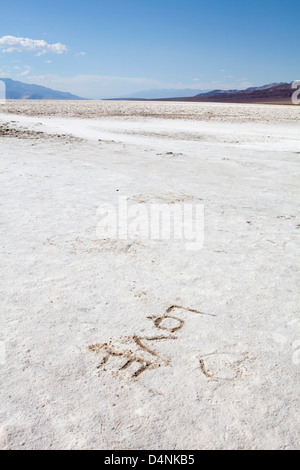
[140,343]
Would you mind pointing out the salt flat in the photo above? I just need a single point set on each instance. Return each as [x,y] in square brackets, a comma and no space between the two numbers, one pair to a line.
[142,344]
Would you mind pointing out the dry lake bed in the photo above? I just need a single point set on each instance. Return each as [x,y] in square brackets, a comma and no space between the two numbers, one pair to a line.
[141,343]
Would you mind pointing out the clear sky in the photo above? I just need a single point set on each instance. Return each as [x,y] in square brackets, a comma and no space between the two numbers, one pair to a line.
[107,48]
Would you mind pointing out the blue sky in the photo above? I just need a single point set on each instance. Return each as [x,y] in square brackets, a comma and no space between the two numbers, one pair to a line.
[111,48]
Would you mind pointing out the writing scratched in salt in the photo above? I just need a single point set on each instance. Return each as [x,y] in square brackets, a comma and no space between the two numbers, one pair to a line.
[142,355]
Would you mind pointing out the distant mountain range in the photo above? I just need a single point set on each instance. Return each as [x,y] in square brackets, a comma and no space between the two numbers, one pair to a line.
[162,93]
[277,93]
[23,91]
